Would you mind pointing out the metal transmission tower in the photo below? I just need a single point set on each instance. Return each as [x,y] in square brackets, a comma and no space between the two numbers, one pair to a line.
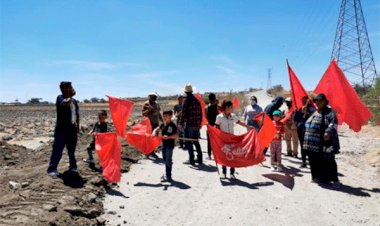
[352,49]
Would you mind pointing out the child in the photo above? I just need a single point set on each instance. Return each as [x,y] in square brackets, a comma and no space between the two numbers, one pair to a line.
[169,132]
[211,113]
[99,127]
[225,121]
[275,145]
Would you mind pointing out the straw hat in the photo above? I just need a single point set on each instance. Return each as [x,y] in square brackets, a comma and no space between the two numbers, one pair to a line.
[188,88]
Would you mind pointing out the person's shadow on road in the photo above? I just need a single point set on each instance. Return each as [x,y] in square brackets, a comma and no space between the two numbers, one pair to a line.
[206,168]
[164,185]
[73,180]
[359,191]
[114,192]
[238,182]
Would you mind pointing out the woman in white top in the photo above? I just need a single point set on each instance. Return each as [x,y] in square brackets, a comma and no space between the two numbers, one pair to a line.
[226,121]
[250,113]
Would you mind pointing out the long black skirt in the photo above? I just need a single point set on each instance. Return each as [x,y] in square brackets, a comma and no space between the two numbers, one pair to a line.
[323,167]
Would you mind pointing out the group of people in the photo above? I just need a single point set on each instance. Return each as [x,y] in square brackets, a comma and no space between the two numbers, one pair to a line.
[315,129]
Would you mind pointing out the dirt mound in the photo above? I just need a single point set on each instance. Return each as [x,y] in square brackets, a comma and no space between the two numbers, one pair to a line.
[31,197]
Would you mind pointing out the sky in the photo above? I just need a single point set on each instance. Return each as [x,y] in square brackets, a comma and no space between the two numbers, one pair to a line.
[130,48]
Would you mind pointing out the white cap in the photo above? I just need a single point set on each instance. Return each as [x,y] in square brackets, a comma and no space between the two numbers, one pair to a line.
[153,93]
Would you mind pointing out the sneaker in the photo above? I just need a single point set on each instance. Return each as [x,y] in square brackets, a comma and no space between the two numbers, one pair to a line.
[54,173]
[233,177]
[289,154]
[279,168]
[273,168]
[224,176]
[88,161]
[295,156]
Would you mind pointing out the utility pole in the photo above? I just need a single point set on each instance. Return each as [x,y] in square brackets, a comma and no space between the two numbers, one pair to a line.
[352,49]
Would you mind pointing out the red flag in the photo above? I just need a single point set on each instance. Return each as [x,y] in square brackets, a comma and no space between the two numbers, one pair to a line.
[343,98]
[236,102]
[120,112]
[108,148]
[297,89]
[203,106]
[140,136]
[235,151]
[288,115]
[267,131]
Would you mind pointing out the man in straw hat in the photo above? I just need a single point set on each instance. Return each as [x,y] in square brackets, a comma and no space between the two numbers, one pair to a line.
[190,121]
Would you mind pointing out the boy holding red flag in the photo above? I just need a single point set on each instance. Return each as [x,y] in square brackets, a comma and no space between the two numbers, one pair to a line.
[169,132]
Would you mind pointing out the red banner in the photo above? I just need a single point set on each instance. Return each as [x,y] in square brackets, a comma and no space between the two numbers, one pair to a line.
[267,130]
[235,151]
[120,112]
[108,148]
[140,136]
[203,106]
[343,98]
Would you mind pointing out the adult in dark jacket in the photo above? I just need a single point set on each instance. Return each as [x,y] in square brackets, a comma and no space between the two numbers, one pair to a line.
[66,129]
[322,142]
[300,117]
[275,105]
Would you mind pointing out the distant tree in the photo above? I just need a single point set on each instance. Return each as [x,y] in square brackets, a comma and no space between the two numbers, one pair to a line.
[95,100]
[102,100]
[34,100]
[86,101]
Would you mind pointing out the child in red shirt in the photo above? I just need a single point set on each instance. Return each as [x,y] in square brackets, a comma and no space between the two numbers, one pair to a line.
[275,145]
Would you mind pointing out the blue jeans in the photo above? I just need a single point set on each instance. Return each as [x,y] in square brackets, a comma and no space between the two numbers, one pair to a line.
[62,139]
[167,155]
[193,133]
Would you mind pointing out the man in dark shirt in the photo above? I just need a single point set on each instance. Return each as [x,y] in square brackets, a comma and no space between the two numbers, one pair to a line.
[211,113]
[66,129]
[190,121]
